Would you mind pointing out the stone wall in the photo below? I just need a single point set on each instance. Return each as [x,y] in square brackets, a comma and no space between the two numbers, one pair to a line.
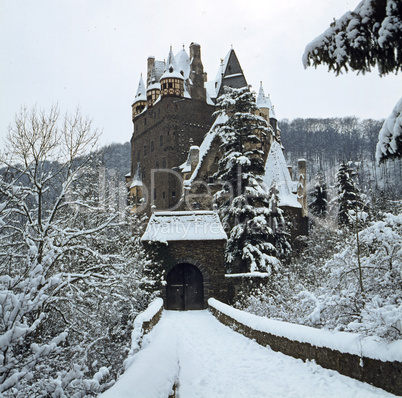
[161,139]
[385,375]
[208,257]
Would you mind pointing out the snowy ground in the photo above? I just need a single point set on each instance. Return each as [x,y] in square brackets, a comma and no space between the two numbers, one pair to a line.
[207,359]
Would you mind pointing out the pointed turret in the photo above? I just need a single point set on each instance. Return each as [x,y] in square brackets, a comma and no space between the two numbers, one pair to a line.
[183,62]
[136,190]
[263,102]
[154,87]
[230,74]
[140,100]
[172,81]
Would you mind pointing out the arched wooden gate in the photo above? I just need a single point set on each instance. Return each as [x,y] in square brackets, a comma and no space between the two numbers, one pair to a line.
[184,288]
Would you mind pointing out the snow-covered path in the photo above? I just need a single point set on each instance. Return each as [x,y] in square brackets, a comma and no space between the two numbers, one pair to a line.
[208,359]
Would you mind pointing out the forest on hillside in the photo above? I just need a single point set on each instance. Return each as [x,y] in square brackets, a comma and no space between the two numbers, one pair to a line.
[326,143]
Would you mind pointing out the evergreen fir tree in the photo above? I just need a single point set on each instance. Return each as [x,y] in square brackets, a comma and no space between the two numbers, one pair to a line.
[241,135]
[319,206]
[348,194]
[250,215]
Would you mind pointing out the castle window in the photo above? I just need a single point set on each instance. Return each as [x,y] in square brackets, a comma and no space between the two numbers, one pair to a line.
[157,165]
[161,140]
[152,146]
[173,194]
[163,194]
[145,150]
[154,193]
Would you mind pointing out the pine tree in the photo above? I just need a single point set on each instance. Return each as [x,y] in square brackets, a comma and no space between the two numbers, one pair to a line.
[366,37]
[250,215]
[319,206]
[349,199]
[242,136]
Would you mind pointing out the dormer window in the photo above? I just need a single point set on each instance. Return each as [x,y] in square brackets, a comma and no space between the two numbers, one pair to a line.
[171,69]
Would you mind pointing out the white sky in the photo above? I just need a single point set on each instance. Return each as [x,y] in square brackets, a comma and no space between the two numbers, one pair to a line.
[91,53]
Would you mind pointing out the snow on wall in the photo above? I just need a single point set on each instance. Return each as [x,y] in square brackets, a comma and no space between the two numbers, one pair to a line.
[351,343]
[138,331]
[276,171]
[205,146]
[184,225]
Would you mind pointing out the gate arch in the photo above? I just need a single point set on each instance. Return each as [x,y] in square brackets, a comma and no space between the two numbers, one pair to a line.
[184,288]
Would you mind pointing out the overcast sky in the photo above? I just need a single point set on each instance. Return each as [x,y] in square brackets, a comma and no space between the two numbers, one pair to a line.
[91,53]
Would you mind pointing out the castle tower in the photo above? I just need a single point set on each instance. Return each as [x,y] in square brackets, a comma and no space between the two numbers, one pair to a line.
[140,101]
[154,88]
[172,81]
[197,74]
[136,190]
[263,103]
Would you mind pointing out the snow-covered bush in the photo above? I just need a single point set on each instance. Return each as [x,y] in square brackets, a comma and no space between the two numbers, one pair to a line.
[329,294]
[70,271]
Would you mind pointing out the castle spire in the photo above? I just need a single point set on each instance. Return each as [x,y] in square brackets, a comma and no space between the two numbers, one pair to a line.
[140,99]
[171,61]
[141,92]
[262,100]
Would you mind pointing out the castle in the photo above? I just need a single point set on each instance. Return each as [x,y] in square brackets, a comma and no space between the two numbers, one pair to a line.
[175,152]
[174,148]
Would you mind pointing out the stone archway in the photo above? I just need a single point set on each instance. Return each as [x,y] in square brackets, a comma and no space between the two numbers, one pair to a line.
[184,288]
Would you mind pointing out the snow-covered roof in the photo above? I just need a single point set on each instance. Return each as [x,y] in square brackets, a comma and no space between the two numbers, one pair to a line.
[220,74]
[137,179]
[276,171]
[154,86]
[206,145]
[193,154]
[172,70]
[141,92]
[183,62]
[184,225]
[262,100]
[159,68]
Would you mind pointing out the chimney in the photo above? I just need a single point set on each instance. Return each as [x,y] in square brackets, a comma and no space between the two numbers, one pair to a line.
[302,185]
[150,65]
[197,89]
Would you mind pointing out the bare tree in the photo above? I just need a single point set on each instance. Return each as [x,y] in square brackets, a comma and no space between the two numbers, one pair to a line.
[54,237]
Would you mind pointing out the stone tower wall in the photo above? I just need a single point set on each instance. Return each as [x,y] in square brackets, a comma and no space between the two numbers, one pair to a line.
[181,122]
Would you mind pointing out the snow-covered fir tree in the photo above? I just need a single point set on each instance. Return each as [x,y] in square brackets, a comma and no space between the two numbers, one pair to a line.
[254,223]
[319,206]
[322,288]
[366,37]
[348,199]
[257,241]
